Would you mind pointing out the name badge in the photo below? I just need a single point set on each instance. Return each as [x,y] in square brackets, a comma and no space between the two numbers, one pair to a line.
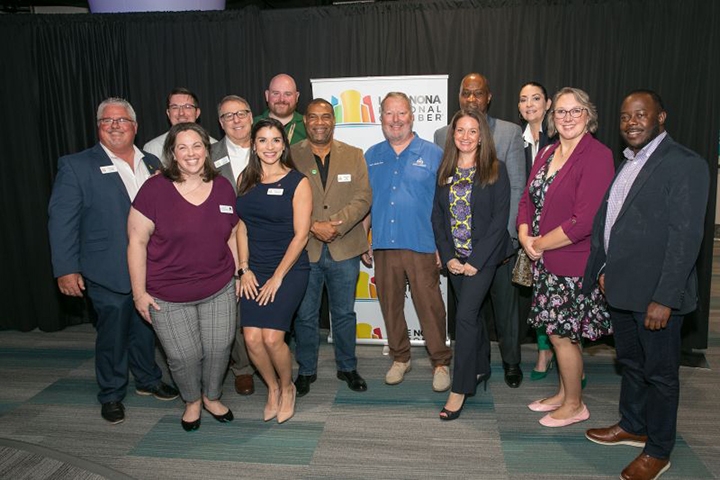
[223,161]
[275,191]
[344,177]
[449,180]
[226,209]
[108,169]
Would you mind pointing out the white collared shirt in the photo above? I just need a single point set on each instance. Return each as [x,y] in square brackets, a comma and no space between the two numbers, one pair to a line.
[239,157]
[529,140]
[132,179]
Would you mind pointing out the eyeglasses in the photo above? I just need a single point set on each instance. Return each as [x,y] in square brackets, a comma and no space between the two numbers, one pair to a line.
[122,121]
[187,106]
[240,114]
[576,112]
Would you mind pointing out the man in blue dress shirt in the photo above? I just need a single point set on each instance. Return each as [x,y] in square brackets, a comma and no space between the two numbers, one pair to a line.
[402,172]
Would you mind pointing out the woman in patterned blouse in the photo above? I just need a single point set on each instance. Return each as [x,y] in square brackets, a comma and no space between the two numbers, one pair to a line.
[470,214]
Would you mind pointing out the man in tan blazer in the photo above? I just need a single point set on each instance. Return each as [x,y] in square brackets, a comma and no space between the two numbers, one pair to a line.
[341,199]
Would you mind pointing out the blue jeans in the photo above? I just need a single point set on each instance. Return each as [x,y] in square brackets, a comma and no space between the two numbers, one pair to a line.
[341,279]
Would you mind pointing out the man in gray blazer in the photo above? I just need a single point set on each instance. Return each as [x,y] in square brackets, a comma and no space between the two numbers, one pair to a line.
[475,95]
[230,157]
[645,243]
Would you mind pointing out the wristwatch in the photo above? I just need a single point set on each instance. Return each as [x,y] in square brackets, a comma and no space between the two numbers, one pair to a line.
[241,272]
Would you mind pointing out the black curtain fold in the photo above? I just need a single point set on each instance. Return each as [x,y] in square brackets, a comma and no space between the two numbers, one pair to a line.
[57,68]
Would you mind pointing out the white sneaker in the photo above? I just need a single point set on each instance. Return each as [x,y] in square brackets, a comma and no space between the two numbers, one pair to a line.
[397,372]
[441,378]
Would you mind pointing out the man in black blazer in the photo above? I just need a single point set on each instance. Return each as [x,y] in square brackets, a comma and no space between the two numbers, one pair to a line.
[87,224]
[646,240]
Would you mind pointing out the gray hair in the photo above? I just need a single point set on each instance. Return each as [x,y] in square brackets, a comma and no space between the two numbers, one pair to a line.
[116,101]
[231,98]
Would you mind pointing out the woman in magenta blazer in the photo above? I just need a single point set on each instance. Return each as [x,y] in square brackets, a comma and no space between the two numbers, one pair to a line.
[564,190]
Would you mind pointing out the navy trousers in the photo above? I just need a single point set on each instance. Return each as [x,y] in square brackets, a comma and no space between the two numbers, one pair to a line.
[125,342]
[650,389]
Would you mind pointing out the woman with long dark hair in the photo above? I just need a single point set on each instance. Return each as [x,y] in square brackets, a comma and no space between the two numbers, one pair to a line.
[469,218]
[533,105]
[274,204]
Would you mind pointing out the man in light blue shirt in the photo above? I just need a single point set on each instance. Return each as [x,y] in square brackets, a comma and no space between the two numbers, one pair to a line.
[402,172]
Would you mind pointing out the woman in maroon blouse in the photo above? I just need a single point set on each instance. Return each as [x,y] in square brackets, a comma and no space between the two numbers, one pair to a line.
[182,260]
[566,185]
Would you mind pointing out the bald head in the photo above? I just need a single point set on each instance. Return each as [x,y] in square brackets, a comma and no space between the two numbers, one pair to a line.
[282,97]
[475,93]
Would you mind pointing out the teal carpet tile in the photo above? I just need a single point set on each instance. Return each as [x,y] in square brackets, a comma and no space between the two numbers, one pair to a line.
[541,453]
[83,391]
[43,357]
[6,407]
[407,394]
[253,441]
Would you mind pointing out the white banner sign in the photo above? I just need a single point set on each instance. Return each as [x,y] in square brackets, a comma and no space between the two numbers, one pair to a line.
[356,102]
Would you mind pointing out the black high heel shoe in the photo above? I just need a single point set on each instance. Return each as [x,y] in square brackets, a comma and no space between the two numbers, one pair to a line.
[225,417]
[190,426]
[484,379]
[448,415]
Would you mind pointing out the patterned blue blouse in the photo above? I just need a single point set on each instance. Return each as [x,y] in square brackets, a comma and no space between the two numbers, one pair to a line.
[460,211]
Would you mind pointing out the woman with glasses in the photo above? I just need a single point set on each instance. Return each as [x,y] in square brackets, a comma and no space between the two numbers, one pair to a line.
[533,105]
[182,260]
[565,188]
[469,219]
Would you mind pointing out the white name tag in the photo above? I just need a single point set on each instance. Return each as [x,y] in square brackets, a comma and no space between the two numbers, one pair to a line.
[449,180]
[223,161]
[108,169]
[345,177]
[226,209]
[275,191]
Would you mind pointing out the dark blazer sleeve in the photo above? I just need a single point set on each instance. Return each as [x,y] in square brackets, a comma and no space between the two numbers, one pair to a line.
[441,225]
[687,194]
[64,213]
[491,239]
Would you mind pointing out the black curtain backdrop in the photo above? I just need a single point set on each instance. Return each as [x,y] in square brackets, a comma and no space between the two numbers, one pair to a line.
[57,69]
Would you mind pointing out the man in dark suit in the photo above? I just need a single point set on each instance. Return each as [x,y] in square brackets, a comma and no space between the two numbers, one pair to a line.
[475,95]
[88,214]
[230,157]
[646,240]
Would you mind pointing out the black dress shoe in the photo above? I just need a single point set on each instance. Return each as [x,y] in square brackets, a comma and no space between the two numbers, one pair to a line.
[353,379]
[513,375]
[190,426]
[302,384]
[113,412]
[225,417]
[161,391]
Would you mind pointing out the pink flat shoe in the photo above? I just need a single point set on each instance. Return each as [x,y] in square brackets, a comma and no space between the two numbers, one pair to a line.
[548,421]
[538,406]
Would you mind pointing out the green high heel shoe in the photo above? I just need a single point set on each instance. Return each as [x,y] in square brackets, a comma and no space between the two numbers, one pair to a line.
[535,375]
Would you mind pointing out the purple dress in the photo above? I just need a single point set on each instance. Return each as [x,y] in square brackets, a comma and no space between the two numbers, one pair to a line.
[267,211]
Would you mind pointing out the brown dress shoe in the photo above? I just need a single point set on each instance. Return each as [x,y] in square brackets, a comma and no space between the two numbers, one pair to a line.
[244,385]
[645,467]
[615,436]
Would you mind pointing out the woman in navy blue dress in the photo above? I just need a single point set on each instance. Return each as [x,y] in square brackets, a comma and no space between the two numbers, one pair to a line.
[274,205]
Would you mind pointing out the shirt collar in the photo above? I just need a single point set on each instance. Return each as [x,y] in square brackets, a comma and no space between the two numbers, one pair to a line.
[647,150]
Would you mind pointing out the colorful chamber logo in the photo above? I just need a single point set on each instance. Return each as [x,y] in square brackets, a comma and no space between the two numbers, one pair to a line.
[353,107]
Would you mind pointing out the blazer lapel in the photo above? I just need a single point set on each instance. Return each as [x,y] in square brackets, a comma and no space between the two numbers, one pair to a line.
[645,173]
[102,160]
[565,170]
